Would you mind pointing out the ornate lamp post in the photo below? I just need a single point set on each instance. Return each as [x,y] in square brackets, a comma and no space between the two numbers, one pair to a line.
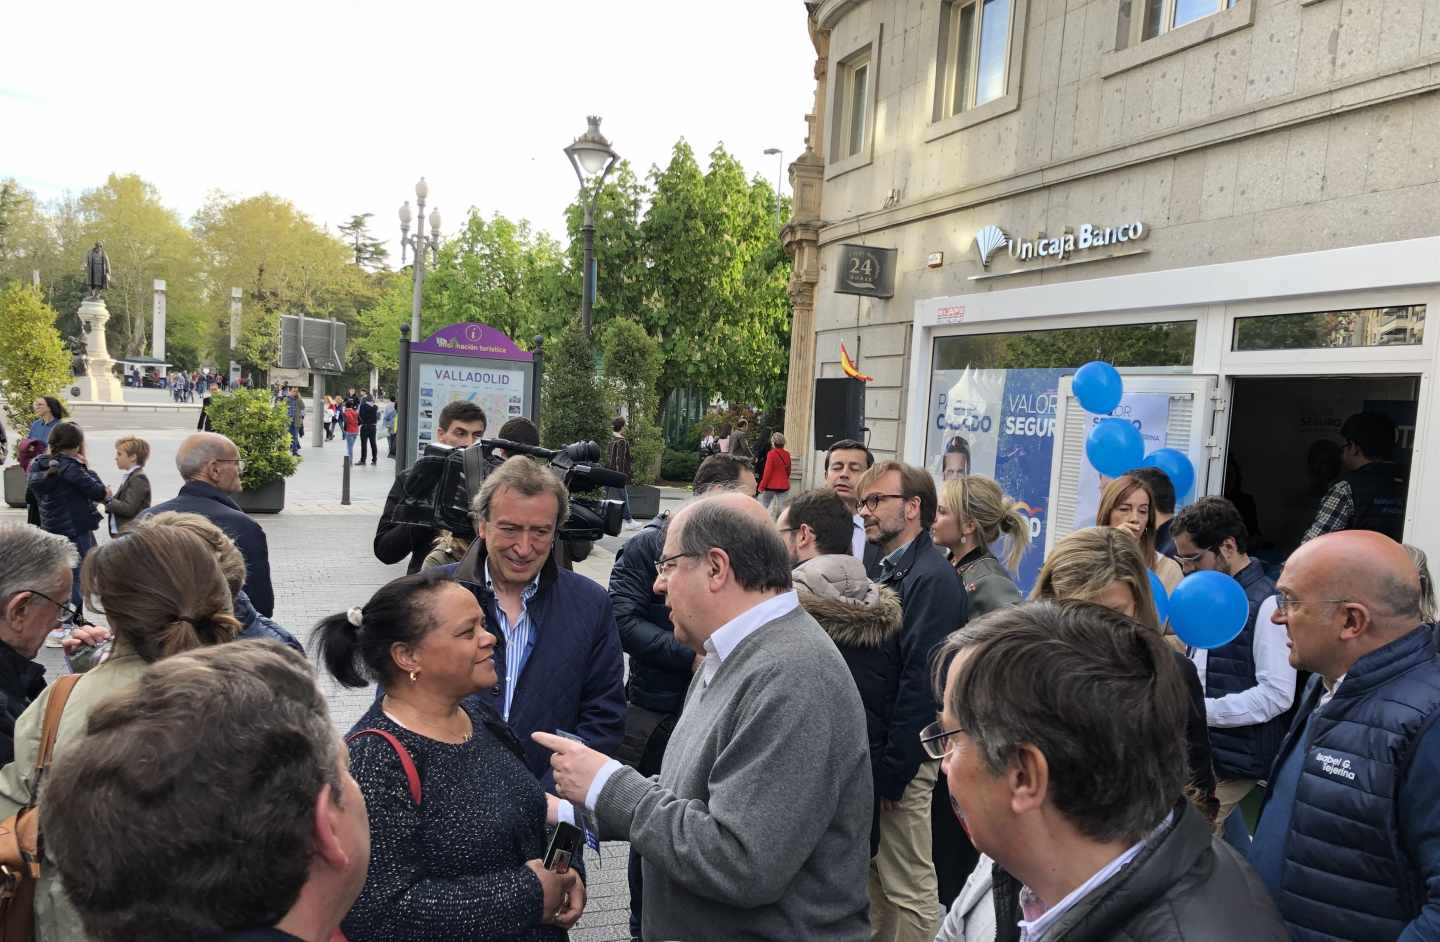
[419,242]
[779,180]
[592,157]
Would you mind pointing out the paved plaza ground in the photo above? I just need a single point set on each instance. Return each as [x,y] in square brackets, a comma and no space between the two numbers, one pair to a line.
[321,562]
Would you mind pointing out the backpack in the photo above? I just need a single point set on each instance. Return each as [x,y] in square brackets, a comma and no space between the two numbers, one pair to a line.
[20,856]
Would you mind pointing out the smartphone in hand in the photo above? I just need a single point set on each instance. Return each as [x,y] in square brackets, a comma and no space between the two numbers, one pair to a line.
[565,843]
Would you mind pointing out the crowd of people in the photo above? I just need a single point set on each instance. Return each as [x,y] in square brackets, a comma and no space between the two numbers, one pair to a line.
[842,718]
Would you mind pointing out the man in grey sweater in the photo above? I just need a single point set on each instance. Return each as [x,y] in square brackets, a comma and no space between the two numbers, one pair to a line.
[757,826]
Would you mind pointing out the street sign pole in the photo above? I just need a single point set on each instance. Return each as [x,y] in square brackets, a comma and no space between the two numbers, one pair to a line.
[402,392]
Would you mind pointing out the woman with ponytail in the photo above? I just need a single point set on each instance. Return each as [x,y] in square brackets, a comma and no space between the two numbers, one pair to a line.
[459,859]
[972,515]
[162,592]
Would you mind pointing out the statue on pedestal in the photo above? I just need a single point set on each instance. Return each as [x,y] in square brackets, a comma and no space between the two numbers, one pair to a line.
[97,271]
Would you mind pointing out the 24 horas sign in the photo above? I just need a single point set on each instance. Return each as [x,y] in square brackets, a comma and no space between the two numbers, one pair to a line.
[990,240]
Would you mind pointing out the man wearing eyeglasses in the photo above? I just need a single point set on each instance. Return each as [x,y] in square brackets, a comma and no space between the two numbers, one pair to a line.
[1349,837]
[211,466]
[35,576]
[1249,683]
[897,502]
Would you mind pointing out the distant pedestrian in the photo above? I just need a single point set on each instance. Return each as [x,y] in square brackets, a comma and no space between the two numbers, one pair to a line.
[775,479]
[295,408]
[740,440]
[48,413]
[68,491]
[369,415]
[388,419]
[618,459]
[132,497]
[350,425]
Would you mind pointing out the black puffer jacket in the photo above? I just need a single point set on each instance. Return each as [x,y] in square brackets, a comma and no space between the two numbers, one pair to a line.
[863,620]
[660,666]
[67,492]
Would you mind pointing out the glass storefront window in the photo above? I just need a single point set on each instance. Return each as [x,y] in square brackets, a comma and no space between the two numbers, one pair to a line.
[1320,330]
[1165,344]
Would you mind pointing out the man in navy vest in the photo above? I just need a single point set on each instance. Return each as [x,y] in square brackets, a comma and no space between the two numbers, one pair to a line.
[1370,494]
[1349,840]
[1249,683]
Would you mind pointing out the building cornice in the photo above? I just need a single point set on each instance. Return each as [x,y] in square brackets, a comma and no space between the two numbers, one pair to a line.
[832,11]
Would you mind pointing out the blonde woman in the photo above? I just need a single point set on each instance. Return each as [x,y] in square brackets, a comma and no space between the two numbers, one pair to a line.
[1126,503]
[973,514]
[1103,565]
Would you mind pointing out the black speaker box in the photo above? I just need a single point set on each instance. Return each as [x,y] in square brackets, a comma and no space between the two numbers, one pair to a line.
[839,411]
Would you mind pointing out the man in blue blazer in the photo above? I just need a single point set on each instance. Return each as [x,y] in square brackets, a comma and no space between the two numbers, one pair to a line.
[559,655]
[210,464]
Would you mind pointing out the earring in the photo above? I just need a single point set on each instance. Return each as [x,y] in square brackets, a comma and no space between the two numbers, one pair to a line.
[412,677]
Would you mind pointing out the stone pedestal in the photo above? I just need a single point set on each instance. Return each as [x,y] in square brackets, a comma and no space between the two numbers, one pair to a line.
[99,368]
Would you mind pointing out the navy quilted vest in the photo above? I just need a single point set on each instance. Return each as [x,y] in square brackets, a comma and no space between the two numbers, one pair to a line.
[1346,874]
[1242,751]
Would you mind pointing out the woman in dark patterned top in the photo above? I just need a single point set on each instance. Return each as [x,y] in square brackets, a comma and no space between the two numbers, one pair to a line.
[464,862]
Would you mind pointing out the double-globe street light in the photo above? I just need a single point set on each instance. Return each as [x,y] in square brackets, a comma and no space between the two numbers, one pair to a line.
[592,157]
[419,242]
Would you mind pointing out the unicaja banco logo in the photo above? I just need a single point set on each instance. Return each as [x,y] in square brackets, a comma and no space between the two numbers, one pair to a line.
[987,240]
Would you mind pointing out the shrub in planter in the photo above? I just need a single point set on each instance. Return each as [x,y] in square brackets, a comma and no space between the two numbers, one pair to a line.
[260,428]
[679,466]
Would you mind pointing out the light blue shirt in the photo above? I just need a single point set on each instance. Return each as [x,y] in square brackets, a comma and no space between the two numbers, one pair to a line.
[519,637]
[888,564]
[718,647]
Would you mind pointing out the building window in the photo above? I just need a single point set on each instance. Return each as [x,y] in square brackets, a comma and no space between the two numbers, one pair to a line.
[852,102]
[975,46]
[1161,16]
[1320,330]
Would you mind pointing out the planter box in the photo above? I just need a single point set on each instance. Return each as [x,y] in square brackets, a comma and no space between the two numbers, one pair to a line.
[15,486]
[269,499]
[644,501]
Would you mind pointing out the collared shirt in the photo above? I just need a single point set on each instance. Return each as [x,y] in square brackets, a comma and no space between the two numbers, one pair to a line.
[857,539]
[718,647]
[1038,920]
[891,560]
[1274,688]
[1330,690]
[1336,511]
[519,637]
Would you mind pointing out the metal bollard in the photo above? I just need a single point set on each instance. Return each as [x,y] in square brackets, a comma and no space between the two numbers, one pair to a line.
[345,484]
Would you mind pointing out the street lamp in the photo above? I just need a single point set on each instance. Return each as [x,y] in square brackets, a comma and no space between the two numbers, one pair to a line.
[419,242]
[592,157]
[779,176]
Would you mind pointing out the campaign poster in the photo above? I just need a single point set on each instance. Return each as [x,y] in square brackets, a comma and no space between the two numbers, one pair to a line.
[1005,421]
[497,390]
[1150,413]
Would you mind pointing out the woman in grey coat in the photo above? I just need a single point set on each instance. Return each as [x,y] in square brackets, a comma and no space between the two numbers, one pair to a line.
[973,515]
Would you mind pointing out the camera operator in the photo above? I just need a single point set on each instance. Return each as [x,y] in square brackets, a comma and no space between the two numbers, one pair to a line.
[461,424]
[660,665]
[560,665]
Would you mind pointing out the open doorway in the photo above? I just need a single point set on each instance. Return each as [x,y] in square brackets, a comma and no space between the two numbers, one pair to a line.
[1284,448]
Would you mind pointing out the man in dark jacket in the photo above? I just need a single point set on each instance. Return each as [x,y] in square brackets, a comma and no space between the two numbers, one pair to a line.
[1349,839]
[558,654]
[461,424]
[1370,494]
[210,465]
[1061,739]
[369,415]
[1249,683]
[897,502]
[35,577]
[862,618]
[660,665]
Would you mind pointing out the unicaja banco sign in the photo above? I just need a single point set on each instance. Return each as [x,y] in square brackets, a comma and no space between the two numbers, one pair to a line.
[991,239]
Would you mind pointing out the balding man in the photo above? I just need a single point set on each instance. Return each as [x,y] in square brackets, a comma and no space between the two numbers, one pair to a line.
[757,826]
[1349,840]
[210,465]
[35,577]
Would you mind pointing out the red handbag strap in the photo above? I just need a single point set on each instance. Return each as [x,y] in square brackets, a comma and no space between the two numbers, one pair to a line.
[411,775]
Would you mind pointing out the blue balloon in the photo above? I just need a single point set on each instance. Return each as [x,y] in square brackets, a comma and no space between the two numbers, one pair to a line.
[1114,447]
[1161,597]
[1098,386]
[1177,467]
[1208,609]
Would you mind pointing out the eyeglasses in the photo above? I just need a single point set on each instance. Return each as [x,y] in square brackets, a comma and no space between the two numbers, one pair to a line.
[239,463]
[1192,560]
[871,502]
[67,612]
[938,741]
[1284,604]
[663,567]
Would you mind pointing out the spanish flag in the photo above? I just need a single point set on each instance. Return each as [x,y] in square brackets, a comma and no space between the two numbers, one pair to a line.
[848,365]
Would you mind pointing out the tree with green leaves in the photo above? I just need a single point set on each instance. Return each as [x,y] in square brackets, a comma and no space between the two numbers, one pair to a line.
[33,361]
[574,404]
[621,288]
[370,252]
[631,360]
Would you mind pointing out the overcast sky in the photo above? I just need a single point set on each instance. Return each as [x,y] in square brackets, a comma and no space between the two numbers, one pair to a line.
[341,106]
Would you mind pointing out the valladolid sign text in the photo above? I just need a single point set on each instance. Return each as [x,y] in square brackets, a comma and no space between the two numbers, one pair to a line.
[990,240]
